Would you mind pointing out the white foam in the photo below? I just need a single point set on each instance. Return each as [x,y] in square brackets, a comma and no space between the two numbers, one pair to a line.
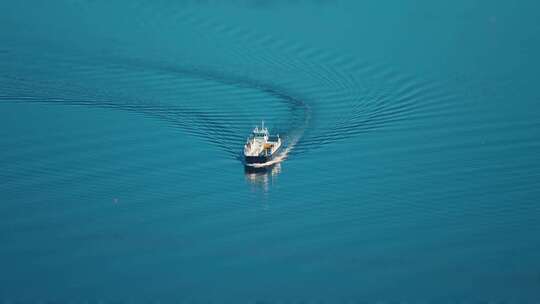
[283,155]
[279,158]
[295,138]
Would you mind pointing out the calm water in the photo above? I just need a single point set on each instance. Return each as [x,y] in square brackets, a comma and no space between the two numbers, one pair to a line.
[413,133]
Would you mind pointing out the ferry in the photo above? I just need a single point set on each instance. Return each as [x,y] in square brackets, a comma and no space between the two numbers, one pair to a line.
[261,147]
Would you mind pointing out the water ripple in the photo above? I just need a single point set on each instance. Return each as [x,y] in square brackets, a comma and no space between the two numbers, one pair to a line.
[312,97]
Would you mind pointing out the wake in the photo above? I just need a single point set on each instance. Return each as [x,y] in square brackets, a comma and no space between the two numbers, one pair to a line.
[282,156]
[278,159]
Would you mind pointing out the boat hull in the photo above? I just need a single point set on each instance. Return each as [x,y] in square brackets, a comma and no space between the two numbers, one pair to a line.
[260,159]
[255,170]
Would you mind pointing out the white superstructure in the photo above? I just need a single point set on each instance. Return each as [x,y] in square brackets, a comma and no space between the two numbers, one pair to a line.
[261,146]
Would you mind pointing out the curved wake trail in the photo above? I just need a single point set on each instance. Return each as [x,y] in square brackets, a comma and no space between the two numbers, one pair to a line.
[213,101]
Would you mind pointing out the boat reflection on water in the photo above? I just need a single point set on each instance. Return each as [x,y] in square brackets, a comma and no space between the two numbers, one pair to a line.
[262,177]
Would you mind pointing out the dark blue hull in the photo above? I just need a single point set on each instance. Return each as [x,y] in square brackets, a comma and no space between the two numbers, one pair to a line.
[256,170]
[258,159]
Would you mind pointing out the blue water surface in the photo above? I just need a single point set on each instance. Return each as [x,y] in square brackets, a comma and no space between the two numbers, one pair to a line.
[412,168]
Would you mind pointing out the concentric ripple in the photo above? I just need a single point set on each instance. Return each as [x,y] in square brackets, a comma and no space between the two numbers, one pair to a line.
[311,97]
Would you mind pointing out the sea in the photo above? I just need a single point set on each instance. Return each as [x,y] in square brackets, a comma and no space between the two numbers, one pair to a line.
[409,173]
